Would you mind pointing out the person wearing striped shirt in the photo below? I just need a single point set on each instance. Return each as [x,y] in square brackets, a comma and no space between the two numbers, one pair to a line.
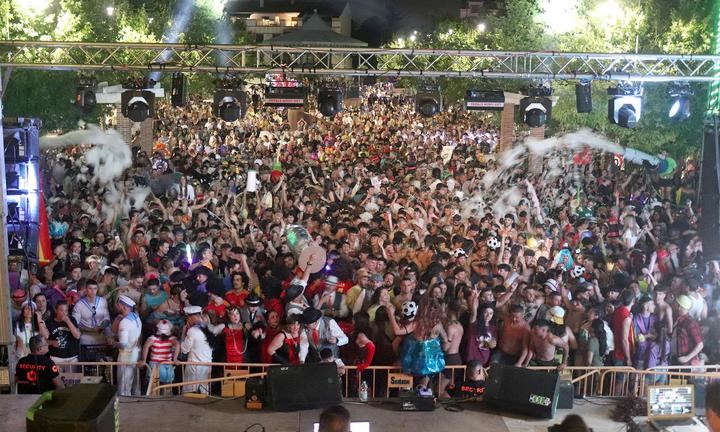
[163,348]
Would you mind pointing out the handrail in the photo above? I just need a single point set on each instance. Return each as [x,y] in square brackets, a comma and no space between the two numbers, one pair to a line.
[588,381]
[157,389]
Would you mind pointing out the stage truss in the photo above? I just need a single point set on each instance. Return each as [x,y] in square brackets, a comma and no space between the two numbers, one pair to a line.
[349,61]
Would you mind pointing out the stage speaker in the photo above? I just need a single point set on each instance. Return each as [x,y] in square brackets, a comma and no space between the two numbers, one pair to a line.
[255,393]
[80,408]
[21,140]
[583,96]
[23,238]
[524,391]
[709,223]
[178,97]
[308,386]
[566,395]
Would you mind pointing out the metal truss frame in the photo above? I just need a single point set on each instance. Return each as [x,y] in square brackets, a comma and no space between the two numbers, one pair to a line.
[350,61]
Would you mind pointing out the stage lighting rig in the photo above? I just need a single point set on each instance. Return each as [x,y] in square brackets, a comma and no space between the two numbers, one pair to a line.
[429,101]
[138,103]
[625,105]
[680,94]
[230,101]
[536,108]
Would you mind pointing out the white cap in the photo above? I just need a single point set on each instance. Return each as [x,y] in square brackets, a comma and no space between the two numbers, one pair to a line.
[127,301]
[164,327]
[192,310]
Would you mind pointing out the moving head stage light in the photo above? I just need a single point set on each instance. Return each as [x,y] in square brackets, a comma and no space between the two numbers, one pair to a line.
[625,105]
[429,101]
[536,109]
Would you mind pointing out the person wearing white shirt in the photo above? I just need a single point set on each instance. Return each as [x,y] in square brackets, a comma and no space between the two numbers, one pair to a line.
[196,346]
[322,332]
[128,346]
[92,316]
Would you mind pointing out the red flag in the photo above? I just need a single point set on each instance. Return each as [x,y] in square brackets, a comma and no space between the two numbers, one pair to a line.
[44,246]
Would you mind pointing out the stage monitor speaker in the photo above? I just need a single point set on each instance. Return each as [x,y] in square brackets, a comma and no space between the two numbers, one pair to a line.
[308,386]
[524,391]
[80,408]
[709,223]
[255,393]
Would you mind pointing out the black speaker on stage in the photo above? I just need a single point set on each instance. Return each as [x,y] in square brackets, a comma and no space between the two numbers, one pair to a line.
[255,393]
[80,408]
[308,386]
[524,391]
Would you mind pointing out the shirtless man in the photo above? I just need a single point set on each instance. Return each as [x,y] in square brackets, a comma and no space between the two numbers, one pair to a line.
[514,335]
[454,332]
[541,347]
[663,310]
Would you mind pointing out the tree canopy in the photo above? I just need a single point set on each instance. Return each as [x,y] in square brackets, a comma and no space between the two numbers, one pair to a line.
[613,26]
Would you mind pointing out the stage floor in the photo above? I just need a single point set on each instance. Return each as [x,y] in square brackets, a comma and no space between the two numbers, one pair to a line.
[182,414]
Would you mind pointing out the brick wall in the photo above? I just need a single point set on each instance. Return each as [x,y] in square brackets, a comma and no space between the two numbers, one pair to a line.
[535,162]
[126,126]
[507,124]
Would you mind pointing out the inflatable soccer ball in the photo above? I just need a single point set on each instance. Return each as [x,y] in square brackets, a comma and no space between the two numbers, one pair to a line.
[577,271]
[493,243]
[409,309]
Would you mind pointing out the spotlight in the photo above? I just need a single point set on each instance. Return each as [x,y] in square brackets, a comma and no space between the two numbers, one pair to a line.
[680,108]
[85,98]
[230,100]
[230,104]
[429,101]
[330,101]
[138,105]
[625,105]
[583,96]
[536,109]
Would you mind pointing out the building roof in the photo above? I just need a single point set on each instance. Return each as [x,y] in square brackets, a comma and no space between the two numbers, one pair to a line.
[314,32]
[323,7]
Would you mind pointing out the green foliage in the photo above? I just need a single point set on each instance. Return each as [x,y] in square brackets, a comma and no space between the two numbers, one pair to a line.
[26,97]
[651,26]
[46,94]
[654,132]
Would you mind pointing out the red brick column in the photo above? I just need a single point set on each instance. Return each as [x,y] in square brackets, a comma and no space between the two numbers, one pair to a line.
[507,124]
[535,162]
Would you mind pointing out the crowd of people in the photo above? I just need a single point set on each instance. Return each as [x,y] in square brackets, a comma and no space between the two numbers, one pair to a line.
[205,271]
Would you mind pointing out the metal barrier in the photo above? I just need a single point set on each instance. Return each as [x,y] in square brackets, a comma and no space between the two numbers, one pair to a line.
[604,381]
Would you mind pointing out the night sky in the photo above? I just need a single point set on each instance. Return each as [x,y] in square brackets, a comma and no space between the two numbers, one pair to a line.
[375,21]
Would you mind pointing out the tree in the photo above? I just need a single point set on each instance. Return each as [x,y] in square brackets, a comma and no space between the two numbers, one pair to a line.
[672,26]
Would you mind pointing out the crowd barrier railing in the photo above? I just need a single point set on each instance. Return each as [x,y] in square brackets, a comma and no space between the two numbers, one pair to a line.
[614,381]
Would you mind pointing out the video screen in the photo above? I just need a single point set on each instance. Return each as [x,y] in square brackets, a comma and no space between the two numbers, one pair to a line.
[670,401]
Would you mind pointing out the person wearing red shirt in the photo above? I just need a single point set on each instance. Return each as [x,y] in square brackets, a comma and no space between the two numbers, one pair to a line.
[689,336]
[216,305]
[239,292]
[621,325]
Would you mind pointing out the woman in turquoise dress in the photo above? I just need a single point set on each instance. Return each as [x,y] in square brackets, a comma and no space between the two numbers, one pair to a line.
[422,352]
